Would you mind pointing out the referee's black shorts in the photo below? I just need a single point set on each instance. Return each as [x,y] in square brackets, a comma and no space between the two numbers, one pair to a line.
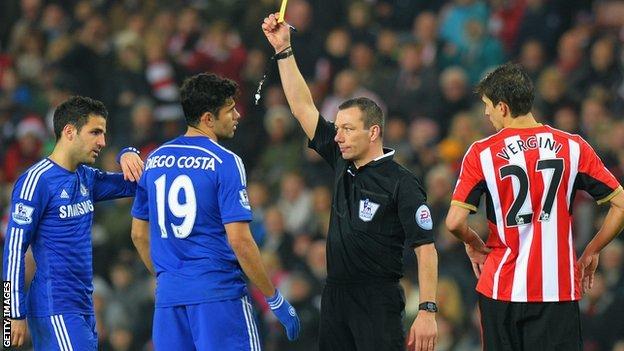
[362,317]
[530,326]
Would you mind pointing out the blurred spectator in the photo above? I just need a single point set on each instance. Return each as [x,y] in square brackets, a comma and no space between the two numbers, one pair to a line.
[161,78]
[321,207]
[26,150]
[600,305]
[455,96]
[306,42]
[89,61]
[387,48]
[258,199]
[360,24]
[278,241]
[600,73]
[411,90]
[533,58]
[457,15]
[346,86]
[551,90]
[418,58]
[425,32]
[505,19]
[540,22]
[335,57]
[218,50]
[295,202]
[283,150]
[478,52]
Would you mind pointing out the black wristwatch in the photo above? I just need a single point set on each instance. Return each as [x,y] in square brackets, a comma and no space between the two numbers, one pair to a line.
[428,306]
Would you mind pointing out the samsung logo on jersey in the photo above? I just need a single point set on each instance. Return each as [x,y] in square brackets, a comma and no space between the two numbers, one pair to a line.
[78,209]
[168,161]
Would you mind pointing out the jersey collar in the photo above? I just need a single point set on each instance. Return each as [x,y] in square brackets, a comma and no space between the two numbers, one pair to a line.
[387,156]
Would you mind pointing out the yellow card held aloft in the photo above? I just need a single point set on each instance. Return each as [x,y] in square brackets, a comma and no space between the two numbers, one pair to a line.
[282,12]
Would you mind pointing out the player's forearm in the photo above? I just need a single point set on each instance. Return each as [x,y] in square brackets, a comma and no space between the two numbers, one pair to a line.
[142,247]
[427,257]
[457,223]
[14,268]
[140,239]
[465,234]
[611,227]
[249,258]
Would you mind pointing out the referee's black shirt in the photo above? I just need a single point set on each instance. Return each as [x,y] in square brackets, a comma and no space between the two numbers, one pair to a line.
[376,210]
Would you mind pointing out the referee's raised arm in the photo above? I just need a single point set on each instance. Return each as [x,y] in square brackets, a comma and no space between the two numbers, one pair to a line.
[296,90]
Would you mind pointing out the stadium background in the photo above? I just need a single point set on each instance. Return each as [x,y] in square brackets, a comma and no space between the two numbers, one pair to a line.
[419,59]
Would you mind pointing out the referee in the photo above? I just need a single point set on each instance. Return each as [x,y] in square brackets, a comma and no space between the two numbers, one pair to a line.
[378,207]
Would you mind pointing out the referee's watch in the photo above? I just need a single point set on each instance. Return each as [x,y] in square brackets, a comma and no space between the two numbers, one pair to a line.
[428,306]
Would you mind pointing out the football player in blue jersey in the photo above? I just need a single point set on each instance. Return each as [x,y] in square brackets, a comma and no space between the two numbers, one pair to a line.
[191,228]
[52,211]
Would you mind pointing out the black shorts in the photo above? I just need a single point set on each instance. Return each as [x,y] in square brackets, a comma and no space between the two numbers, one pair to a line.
[362,318]
[530,326]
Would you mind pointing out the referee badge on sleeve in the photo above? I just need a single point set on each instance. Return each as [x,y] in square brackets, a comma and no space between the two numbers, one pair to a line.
[423,217]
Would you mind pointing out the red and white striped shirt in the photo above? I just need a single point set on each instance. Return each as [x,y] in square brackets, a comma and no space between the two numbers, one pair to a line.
[530,177]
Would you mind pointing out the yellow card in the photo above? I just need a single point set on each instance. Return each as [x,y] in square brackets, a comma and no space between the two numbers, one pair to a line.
[282,12]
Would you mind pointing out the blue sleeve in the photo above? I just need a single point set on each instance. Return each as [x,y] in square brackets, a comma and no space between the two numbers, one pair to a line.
[233,201]
[140,207]
[28,203]
[108,186]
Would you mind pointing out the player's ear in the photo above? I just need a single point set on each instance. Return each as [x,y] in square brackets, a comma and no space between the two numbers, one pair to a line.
[207,118]
[69,131]
[504,108]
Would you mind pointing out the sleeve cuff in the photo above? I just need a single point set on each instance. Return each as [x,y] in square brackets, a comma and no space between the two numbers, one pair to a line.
[610,196]
[461,204]
[127,149]
[421,242]
[228,220]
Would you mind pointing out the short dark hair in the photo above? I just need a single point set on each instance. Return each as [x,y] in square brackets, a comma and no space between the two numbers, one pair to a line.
[510,84]
[76,111]
[371,112]
[205,92]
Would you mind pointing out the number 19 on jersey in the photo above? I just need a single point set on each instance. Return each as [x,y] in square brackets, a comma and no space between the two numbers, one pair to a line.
[186,211]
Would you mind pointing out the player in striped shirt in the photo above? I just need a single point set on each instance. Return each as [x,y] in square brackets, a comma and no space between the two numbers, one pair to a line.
[191,228]
[52,211]
[528,277]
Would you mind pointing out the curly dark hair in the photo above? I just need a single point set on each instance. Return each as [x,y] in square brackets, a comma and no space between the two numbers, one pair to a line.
[205,92]
[510,84]
[76,111]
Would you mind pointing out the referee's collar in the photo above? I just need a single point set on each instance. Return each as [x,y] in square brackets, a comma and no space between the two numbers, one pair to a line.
[387,156]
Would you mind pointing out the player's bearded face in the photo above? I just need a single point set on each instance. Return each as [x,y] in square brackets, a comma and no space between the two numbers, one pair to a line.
[352,137]
[227,120]
[91,139]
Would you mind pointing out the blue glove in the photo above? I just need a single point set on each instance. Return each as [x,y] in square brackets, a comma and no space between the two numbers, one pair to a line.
[285,313]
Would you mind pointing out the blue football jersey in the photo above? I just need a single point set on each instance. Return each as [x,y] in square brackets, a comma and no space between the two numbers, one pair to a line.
[52,211]
[190,189]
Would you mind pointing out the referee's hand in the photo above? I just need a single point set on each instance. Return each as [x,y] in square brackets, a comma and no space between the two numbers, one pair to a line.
[424,332]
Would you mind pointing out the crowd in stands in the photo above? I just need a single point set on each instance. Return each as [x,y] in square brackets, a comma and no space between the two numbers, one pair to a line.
[418,59]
